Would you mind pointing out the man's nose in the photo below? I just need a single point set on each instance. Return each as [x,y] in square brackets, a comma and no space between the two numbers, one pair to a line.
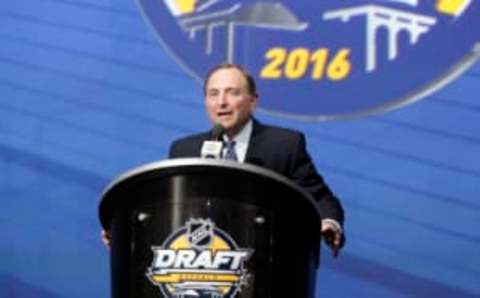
[222,99]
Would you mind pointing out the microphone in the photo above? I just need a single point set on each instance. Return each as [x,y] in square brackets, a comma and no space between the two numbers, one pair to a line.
[217,132]
[213,148]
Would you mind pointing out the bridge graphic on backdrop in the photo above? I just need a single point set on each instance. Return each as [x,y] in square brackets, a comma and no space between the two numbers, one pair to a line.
[273,16]
[394,20]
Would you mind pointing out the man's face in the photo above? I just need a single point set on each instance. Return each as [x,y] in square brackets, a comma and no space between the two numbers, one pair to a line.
[228,100]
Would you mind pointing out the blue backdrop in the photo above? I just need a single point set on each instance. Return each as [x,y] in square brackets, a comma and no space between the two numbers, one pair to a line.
[86,92]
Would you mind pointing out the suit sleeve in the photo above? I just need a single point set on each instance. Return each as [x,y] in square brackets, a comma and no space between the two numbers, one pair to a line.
[304,173]
[173,152]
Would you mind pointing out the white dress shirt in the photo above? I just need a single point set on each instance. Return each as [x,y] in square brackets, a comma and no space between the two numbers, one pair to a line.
[241,141]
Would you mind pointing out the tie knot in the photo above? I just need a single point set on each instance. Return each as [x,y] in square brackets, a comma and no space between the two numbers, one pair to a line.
[230,144]
[230,153]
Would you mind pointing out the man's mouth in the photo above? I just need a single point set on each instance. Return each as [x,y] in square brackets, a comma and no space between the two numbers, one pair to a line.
[224,114]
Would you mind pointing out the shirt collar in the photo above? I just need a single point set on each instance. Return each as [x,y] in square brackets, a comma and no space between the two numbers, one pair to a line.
[243,136]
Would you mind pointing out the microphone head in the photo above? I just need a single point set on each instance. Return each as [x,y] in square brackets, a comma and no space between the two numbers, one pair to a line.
[217,131]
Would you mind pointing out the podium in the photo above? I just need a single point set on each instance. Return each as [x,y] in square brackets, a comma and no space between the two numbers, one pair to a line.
[210,228]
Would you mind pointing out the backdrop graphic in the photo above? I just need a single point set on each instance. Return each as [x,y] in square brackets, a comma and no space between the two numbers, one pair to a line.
[328,59]
[87,92]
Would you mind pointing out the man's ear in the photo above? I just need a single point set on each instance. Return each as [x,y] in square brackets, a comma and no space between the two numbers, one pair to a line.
[254,99]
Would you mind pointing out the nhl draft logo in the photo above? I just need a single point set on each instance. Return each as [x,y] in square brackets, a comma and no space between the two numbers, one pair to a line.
[199,260]
[325,59]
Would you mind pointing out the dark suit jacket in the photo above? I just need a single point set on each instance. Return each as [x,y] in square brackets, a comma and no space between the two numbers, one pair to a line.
[278,149]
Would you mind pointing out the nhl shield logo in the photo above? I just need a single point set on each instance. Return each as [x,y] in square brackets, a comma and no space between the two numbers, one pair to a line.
[200,233]
[325,59]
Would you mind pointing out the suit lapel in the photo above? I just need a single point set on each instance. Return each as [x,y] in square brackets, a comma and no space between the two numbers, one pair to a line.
[253,150]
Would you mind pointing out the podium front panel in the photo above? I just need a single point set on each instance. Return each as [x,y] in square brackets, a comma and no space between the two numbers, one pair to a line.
[207,233]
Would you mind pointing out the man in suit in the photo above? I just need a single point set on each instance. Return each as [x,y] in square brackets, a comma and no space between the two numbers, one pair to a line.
[230,99]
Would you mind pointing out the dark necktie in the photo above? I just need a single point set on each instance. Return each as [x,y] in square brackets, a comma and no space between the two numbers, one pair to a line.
[230,153]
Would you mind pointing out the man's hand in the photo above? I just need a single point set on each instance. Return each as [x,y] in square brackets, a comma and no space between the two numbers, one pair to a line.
[333,235]
[106,239]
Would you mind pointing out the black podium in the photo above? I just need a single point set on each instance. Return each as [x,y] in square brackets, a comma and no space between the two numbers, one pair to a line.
[210,228]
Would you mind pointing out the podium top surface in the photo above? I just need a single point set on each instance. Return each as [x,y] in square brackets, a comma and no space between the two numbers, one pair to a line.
[178,166]
[170,166]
